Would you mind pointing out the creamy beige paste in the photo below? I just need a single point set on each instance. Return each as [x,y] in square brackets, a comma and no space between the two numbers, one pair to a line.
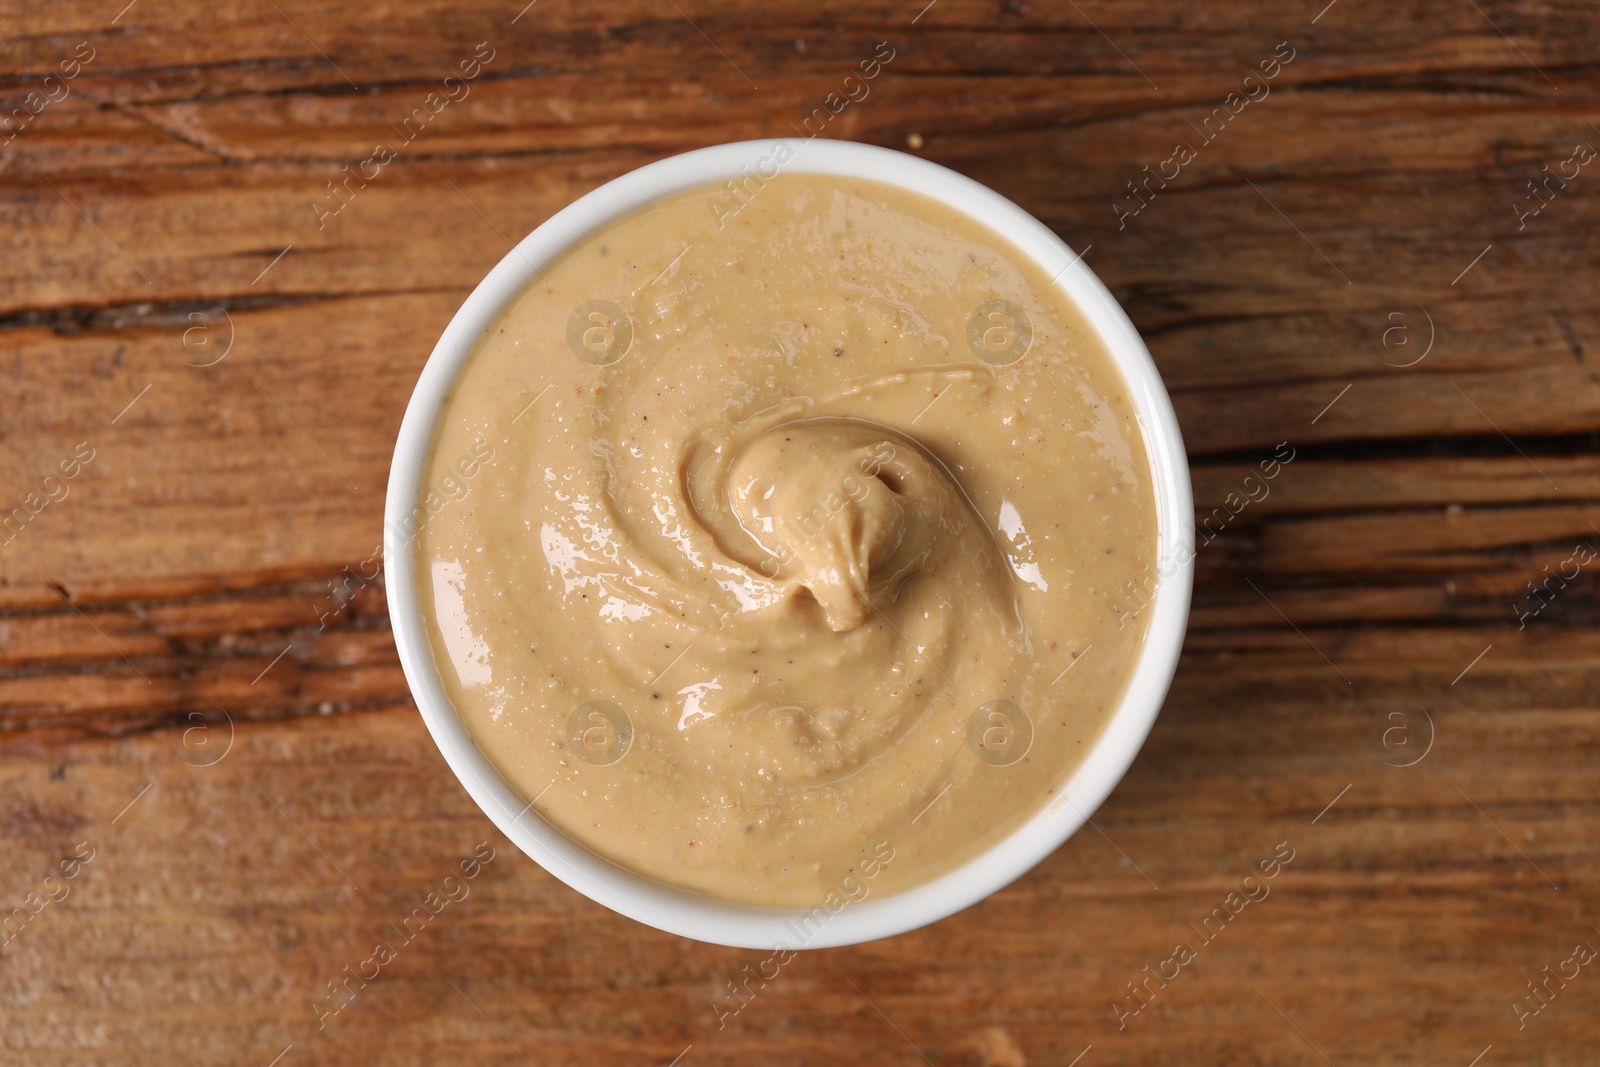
[767,550]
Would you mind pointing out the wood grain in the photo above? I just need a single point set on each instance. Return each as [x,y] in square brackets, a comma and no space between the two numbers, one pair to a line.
[261,799]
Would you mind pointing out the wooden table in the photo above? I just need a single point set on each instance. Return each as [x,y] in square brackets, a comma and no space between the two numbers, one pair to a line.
[1353,264]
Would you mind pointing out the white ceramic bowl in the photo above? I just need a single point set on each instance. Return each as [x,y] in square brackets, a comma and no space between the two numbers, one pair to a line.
[743,926]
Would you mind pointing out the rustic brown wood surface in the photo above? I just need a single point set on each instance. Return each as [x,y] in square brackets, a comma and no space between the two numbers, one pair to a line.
[1355,266]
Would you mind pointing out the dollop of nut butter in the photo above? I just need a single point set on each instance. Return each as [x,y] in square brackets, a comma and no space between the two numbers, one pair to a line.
[865,510]
[787,533]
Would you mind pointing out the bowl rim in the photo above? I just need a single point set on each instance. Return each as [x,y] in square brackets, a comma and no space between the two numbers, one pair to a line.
[1098,772]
